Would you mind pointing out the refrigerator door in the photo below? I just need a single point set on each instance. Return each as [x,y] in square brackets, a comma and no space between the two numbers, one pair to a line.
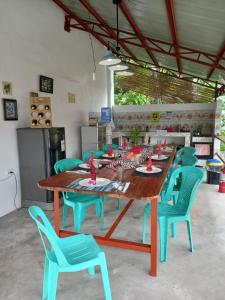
[55,138]
[32,160]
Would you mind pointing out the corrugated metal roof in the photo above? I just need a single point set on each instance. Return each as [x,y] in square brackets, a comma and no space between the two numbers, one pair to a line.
[200,26]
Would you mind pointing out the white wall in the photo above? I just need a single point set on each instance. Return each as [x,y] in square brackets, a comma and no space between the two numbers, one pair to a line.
[33,42]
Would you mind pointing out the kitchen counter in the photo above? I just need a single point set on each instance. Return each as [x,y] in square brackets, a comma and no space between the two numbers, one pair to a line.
[175,137]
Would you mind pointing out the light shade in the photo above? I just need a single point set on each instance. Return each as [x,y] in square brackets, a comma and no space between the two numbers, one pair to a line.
[119,67]
[109,59]
[125,73]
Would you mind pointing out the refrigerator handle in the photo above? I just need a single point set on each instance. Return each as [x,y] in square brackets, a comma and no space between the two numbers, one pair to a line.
[46,140]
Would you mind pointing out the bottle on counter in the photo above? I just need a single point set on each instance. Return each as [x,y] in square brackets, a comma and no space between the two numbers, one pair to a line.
[146,128]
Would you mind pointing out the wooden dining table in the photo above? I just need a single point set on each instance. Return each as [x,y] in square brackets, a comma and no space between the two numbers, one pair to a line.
[141,188]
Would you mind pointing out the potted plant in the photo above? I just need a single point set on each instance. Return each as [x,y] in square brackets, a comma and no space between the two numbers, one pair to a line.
[134,135]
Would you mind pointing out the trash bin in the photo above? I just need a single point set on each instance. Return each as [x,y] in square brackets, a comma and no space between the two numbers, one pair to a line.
[213,177]
[213,171]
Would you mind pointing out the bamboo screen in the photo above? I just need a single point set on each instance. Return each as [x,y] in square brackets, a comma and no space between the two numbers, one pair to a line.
[162,88]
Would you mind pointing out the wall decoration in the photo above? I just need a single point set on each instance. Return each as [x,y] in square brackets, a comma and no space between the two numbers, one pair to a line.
[155,117]
[106,114]
[7,88]
[46,84]
[10,109]
[33,94]
[71,98]
[40,112]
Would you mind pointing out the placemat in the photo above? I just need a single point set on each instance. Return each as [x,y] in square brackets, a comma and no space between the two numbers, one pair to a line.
[106,188]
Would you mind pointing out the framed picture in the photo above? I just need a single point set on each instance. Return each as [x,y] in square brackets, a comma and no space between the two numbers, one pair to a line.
[7,88]
[46,84]
[10,109]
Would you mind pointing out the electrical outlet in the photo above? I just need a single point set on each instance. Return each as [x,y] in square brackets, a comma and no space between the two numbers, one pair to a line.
[11,171]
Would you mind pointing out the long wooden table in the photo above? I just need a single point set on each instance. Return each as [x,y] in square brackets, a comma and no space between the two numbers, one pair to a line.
[141,188]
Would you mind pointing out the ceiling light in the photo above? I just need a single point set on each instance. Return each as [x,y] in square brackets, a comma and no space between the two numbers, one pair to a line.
[109,59]
[119,67]
[125,73]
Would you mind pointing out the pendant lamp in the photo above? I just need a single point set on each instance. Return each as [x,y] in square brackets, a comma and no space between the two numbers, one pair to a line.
[126,72]
[119,67]
[109,59]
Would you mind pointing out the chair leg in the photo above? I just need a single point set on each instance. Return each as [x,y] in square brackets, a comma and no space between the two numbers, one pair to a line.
[45,280]
[144,226]
[52,281]
[163,229]
[91,271]
[98,209]
[105,279]
[77,217]
[118,203]
[190,235]
[64,215]
[102,213]
[173,229]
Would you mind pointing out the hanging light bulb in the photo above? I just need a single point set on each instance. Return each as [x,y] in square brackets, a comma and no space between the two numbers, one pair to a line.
[126,72]
[109,59]
[119,67]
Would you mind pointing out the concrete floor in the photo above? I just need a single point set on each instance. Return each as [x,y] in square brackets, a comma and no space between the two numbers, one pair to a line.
[186,275]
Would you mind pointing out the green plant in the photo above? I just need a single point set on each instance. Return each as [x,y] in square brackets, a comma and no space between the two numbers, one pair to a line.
[134,135]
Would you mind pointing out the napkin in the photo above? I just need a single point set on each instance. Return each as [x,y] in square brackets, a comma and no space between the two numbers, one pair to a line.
[159,150]
[124,145]
[126,187]
[91,160]
[149,167]
[110,152]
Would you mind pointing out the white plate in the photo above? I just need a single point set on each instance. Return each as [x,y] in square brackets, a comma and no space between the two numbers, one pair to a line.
[167,149]
[86,166]
[99,182]
[108,156]
[162,157]
[144,170]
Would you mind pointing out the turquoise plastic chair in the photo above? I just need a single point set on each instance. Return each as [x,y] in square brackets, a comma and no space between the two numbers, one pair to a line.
[188,160]
[86,154]
[105,148]
[78,202]
[71,254]
[186,151]
[191,178]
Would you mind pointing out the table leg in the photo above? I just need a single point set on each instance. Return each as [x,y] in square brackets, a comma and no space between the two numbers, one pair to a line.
[56,212]
[153,236]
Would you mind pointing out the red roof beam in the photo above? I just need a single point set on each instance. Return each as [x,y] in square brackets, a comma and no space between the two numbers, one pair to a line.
[218,58]
[185,50]
[173,30]
[80,21]
[169,52]
[137,31]
[112,34]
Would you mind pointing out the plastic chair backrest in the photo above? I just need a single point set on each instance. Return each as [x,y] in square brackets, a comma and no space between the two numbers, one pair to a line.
[191,178]
[186,151]
[86,154]
[188,160]
[106,147]
[66,164]
[45,229]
